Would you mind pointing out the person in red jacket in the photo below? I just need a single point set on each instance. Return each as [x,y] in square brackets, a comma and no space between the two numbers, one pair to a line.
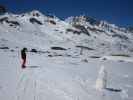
[23,56]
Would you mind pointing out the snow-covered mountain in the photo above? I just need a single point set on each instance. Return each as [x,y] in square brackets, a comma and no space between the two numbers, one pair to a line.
[76,32]
[64,58]
[104,35]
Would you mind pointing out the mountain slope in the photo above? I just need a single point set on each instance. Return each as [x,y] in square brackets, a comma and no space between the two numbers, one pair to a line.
[49,30]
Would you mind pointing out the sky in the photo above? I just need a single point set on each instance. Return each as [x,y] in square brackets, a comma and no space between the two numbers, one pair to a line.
[119,12]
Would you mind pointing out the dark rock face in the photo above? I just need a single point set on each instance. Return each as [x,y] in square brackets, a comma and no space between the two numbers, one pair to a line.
[4,47]
[82,29]
[79,29]
[52,22]
[124,37]
[84,47]
[13,23]
[95,29]
[90,20]
[3,19]
[36,14]
[34,20]
[2,9]
[10,22]
[58,48]
[73,31]
[34,50]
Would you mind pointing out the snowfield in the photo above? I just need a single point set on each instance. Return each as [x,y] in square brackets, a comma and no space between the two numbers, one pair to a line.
[62,78]
[82,69]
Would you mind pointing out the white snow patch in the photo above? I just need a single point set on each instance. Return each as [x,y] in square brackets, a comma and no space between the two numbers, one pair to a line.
[101,82]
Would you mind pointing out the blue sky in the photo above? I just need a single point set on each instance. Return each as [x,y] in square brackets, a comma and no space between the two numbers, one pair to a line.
[119,12]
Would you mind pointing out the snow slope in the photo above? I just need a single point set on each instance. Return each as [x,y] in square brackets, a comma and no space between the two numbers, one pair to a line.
[68,74]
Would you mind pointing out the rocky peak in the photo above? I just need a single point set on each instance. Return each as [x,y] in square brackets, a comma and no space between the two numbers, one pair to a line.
[82,20]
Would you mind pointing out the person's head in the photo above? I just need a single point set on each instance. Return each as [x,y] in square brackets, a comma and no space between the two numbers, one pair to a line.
[25,49]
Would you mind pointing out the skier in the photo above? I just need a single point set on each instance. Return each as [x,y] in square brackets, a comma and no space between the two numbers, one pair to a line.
[23,56]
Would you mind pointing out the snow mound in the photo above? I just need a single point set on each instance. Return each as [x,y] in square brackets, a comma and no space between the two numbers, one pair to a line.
[101,82]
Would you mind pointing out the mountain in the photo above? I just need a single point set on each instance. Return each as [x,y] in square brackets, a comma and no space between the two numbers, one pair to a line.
[81,31]
[108,36]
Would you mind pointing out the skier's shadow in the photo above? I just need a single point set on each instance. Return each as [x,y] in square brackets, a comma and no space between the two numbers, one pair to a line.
[33,67]
[113,90]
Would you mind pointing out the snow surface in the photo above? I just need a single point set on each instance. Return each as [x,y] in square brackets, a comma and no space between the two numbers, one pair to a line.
[62,74]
